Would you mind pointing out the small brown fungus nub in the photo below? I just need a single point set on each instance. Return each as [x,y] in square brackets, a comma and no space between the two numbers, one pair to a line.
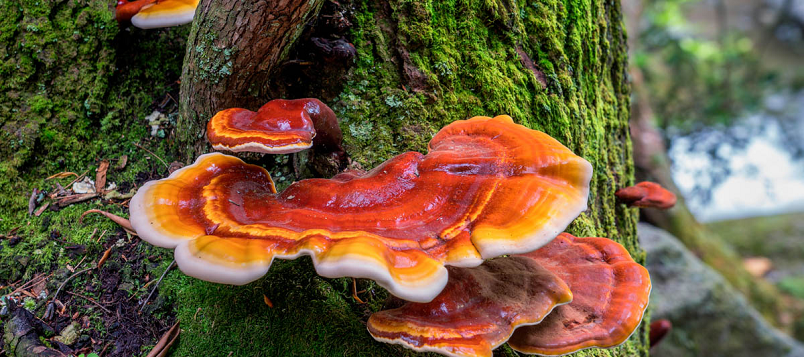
[647,195]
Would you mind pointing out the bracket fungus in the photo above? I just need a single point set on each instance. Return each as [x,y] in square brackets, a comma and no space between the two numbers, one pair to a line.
[610,294]
[647,195]
[471,316]
[281,126]
[149,14]
[477,311]
[487,187]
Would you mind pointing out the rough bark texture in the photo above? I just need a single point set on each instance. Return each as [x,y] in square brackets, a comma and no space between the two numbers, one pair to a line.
[232,52]
[556,66]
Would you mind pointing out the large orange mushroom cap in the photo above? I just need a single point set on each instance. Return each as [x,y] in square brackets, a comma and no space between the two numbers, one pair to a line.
[164,13]
[280,126]
[610,294]
[487,187]
[477,311]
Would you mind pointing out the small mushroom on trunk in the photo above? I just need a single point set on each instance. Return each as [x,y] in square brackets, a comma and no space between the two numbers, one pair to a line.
[647,195]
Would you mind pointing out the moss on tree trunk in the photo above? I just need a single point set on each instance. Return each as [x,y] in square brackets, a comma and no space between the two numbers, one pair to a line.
[556,66]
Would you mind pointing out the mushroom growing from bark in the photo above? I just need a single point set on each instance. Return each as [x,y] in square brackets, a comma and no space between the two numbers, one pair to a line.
[487,187]
[148,14]
[609,296]
[477,311]
[280,126]
[647,195]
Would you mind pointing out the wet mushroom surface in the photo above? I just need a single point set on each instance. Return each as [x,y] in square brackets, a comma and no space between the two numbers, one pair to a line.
[478,193]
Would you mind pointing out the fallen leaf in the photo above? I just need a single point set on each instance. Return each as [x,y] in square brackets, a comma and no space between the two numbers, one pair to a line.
[267,301]
[167,340]
[100,176]
[104,257]
[121,162]
[32,201]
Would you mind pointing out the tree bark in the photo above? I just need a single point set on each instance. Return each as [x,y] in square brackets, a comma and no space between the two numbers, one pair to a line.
[555,66]
[232,51]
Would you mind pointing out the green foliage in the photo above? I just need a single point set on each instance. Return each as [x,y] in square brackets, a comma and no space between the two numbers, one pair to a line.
[697,83]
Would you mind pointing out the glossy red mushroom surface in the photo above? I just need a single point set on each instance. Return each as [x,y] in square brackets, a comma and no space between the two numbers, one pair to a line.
[477,310]
[279,127]
[610,294]
[647,195]
[487,187]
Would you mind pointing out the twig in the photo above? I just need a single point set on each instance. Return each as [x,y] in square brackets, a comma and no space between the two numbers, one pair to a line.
[100,236]
[90,300]
[152,153]
[68,279]
[172,263]
[77,178]
[354,292]
[126,224]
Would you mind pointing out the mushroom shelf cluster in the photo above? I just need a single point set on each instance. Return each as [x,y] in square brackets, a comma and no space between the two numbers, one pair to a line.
[423,226]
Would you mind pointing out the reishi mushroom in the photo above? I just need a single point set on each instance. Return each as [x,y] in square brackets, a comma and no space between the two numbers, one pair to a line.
[477,311]
[647,194]
[126,9]
[487,187]
[280,126]
[148,14]
[610,294]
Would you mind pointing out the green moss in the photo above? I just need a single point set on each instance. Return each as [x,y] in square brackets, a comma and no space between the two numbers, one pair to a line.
[420,65]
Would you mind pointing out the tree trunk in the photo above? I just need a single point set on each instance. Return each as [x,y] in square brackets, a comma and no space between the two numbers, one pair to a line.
[232,51]
[555,66]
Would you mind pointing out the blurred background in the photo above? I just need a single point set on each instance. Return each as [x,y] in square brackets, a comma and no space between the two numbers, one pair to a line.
[718,117]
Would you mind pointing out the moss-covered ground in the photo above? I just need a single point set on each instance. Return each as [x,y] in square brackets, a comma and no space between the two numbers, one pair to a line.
[76,89]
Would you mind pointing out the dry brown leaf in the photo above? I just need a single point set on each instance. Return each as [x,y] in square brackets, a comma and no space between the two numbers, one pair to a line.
[121,162]
[32,201]
[100,176]
[104,257]
[167,340]
[267,301]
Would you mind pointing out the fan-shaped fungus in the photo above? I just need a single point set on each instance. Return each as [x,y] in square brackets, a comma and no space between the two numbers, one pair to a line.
[279,127]
[126,9]
[477,311]
[487,187]
[647,195]
[610,294]
[163,13]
